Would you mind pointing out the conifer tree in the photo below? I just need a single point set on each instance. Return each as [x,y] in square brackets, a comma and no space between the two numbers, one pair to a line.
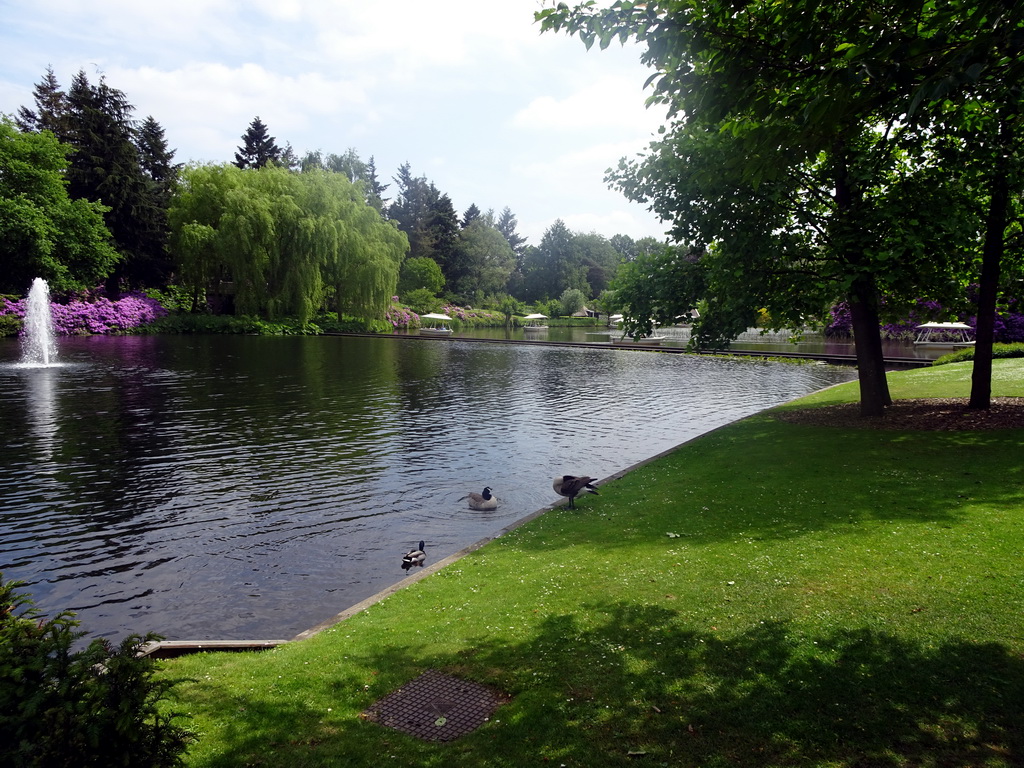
[258,148]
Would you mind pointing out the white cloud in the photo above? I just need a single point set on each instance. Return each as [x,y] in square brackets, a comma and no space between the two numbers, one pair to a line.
[469,92]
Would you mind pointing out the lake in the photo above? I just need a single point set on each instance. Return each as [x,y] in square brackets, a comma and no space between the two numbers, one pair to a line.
[244,487]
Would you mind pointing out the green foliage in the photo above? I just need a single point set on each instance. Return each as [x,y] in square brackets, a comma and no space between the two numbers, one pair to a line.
[807,155]
[422,301]
[998,351]
[509,306]
[286,242]
[571,301]
[187,324]
[10,325]
[43,232]
[486,261]
[420,272]
[174,298]
[93,707]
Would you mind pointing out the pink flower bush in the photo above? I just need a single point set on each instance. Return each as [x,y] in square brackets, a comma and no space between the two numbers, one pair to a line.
[401,317]
[79,318]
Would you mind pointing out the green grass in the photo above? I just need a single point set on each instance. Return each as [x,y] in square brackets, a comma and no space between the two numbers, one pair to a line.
[770,594]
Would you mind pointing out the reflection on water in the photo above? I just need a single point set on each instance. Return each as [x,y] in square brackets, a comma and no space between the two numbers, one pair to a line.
[781,342]
[250,487]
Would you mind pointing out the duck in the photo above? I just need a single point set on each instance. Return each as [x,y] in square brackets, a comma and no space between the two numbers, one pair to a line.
[571,486]
[482,500]
[414,557]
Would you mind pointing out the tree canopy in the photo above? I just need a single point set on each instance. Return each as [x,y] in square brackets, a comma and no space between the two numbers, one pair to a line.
[126,167]
[43,231]
[801,158]
[286,242]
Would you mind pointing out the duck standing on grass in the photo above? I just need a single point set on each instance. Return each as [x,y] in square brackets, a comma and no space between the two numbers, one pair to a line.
[482,500]
[571,486]
[414,557]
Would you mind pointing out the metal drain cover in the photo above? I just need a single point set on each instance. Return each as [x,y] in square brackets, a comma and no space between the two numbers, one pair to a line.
[436,707]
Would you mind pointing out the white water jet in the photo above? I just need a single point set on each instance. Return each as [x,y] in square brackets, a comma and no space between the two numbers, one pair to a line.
[38,345]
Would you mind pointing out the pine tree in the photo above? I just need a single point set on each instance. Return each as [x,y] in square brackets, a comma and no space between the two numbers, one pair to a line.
[374,189]
[507,226]
[472,214]
[106,167]
[154,265]
[259,147]
[51,109]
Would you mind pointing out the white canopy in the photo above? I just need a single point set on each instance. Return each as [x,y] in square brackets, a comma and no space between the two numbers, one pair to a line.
[434,316]
[946,326]
[535,317]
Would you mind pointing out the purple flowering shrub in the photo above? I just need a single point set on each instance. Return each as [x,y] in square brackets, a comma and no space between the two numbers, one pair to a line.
[401,317]
[80,318]
[1009,324]
[474,316]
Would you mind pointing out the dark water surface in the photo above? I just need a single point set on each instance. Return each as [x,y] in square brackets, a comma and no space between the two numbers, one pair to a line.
[251,487]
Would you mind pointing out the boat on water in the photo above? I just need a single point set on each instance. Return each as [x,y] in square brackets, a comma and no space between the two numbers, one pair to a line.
[644,341]
[436,325]
[534,324]
[944,335]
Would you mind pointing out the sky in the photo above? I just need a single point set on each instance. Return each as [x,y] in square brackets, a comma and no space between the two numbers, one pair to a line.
[468,92]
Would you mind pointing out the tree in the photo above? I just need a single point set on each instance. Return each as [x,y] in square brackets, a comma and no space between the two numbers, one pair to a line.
[507,224]
[472,214]
[258,147]
[374,189]
[43,232]
[287,242]
[106,166]
[487,260]
[114,161]
[572,301]
[559,247]
[420,273]
[153,266]
[51,110]
[411,209]
[805,122]
[599,258]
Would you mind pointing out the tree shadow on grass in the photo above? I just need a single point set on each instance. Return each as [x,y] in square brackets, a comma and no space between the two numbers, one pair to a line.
[617,680]
[773,481]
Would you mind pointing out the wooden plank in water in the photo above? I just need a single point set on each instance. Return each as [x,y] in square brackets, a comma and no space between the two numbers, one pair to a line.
[168,649]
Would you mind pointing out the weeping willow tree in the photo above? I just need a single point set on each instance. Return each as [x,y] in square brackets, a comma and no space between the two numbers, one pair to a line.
[286,240]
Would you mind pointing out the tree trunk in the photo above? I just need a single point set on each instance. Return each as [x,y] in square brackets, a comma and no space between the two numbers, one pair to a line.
[863,296]
[988,289]
[867,338]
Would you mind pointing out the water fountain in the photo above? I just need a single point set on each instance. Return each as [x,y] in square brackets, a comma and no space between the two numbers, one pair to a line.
[38,345]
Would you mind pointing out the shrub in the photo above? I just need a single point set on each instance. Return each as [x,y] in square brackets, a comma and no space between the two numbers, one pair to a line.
[79,318]
[967,353]
[93,707]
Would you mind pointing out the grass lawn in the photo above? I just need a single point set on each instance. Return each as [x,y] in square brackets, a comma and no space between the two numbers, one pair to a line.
[770,594]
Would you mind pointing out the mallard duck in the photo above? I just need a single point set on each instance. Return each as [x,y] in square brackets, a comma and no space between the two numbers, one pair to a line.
[571,486]
[483,500]
[414,557]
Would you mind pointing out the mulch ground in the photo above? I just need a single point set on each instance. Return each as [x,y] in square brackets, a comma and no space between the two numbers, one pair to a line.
[947,414]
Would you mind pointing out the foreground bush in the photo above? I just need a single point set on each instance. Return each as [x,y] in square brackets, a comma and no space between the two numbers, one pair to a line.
[93,707]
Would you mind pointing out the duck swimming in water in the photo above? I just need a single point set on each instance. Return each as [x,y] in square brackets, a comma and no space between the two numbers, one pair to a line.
[571,486]
[482,500]
[414,557]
